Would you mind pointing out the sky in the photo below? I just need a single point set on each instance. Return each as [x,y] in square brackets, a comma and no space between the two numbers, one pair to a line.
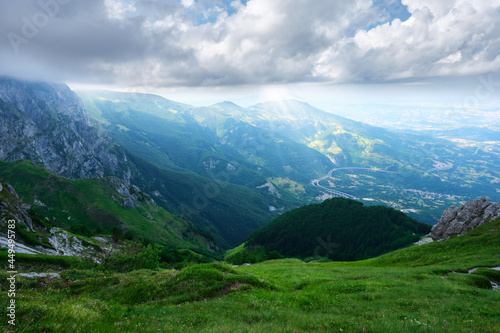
[326,52]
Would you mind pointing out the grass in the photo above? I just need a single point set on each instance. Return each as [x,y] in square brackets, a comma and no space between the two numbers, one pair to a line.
[235,250]
[478,248]
[41,262]
[90,203]
[416,289]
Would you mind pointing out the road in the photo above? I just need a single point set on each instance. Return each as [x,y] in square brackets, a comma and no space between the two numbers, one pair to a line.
[335,193]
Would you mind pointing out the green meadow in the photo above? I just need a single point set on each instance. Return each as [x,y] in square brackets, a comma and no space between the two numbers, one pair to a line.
[416,289]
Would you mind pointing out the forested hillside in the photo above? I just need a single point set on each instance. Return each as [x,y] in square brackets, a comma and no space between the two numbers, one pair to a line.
[340,229]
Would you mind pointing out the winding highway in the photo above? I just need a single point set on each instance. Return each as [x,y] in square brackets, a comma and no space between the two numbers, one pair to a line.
[335,193]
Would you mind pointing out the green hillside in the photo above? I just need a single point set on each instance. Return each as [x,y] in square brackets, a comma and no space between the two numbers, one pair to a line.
[477,248]
[94,206]
[340,229]
[230,212]
[417,289]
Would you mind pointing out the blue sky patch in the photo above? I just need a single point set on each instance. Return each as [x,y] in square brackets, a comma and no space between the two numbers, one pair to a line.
[393,9]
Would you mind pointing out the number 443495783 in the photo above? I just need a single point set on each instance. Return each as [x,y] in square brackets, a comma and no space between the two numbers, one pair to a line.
[11,239]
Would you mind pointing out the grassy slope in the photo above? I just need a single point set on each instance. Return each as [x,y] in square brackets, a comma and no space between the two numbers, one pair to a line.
[89,202]
[408,290]
[479,247]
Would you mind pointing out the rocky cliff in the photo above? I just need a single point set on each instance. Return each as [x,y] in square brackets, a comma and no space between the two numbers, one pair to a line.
[48,125]
[460,220]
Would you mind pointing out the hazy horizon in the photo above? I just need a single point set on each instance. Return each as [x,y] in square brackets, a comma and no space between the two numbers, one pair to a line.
[329,54]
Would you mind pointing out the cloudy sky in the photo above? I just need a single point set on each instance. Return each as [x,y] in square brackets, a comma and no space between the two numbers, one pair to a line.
[201,51]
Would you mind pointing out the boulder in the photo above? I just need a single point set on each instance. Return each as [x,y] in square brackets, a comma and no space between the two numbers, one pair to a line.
[460,220]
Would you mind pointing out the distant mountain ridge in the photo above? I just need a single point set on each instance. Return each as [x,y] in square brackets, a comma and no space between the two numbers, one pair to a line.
[291,143]
[192,138]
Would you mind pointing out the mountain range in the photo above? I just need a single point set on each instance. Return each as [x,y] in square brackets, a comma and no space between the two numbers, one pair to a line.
[229,170]
[289,144]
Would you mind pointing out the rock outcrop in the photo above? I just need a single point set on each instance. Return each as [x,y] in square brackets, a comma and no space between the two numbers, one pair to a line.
[130,195]
[457,221]
[62,242]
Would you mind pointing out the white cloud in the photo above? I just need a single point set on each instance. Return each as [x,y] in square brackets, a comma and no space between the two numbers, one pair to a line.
[207,42]
[451,59]
[187,3]
[273,41]
[289,41]
[117,9]
[449,37]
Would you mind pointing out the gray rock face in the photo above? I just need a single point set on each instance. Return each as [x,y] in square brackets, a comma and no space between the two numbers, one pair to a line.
[48,125]
[459,220]
[129,194]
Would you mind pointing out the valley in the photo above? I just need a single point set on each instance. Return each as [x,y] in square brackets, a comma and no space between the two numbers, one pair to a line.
[377,187]
[334,193]
[293,140]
